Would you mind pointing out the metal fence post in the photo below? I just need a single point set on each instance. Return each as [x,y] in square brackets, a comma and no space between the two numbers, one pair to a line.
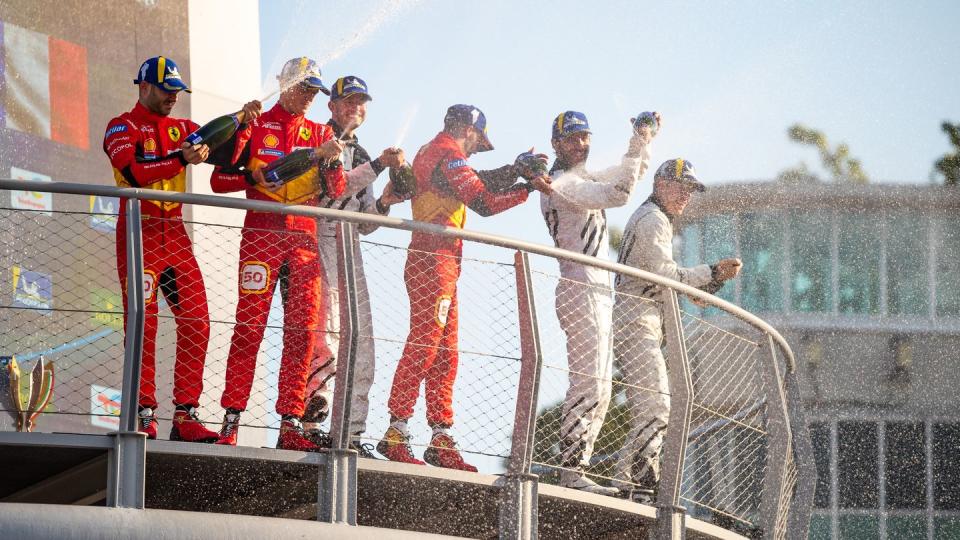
[671,517]
[126,461]
[518,499]
[798,521]
[337,496]
[779,446]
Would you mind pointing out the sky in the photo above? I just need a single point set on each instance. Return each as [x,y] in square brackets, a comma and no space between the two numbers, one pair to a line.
[728,78]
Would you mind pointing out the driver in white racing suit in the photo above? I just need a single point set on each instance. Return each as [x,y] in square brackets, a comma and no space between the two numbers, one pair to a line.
[348,105]
[648,245]
[576,220]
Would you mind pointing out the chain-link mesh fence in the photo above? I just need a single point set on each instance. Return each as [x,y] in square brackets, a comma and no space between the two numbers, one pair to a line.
[603,395]
[726,455]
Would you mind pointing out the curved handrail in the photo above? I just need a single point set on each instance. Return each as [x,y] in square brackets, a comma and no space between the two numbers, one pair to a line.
[408,225]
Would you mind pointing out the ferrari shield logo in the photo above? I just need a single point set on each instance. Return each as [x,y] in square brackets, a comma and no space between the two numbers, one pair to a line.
[174,133]
[305,133]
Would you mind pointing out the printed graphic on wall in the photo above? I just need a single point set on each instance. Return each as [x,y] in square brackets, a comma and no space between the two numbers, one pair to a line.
[46,86]
[31,200]
[32,290]
[103,213]
[105,406]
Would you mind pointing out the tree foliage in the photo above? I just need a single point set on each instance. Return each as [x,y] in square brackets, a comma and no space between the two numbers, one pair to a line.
[843,168]
[949,165]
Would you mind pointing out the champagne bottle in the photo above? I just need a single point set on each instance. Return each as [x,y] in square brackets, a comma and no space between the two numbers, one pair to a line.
[290,166]
[217,131]
[403,180]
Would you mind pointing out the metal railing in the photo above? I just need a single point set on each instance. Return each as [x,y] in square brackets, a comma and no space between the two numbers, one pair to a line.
[735,448]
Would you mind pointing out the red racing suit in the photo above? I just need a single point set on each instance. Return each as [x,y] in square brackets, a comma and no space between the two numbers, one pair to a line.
[143,148]
[277,248]
[445,186]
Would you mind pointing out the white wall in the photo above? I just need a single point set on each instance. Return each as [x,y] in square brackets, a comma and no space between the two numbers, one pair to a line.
[224,74]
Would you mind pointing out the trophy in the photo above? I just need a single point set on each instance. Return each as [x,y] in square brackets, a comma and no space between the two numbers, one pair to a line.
[29,396]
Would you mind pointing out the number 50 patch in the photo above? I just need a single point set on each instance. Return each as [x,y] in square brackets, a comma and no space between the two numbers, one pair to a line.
[443,309]
[254,277]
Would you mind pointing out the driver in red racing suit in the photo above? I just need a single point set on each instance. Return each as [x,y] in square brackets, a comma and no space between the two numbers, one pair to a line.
[445,185]
[147,150]
[277,248]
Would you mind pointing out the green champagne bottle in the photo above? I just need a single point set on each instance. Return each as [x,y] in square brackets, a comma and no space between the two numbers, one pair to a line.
[217,131]
[290,166]
[403,180]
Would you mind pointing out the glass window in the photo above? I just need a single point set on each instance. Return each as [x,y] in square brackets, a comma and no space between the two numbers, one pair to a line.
[908,290]
[946,466]
[810,282]
[946,527]
[857,464]
[686,250]
[860,527]
[719,243]
[948,269]
[906,466]
[761,248]
[820,527]
[820,439]
[907,528]
[859,264]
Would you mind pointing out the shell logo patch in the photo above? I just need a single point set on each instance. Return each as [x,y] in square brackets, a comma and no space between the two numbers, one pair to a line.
[271,140]
[174,133]
[149,145]
[305,133]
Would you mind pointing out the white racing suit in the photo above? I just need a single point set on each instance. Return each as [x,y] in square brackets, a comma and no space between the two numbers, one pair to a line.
[647,245]
[358,197]
[576,220]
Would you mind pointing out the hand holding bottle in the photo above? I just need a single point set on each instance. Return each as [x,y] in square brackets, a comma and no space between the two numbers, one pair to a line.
[250,111]
[195,154]
[329,150]
[392,157]
[529,165]
[645,127]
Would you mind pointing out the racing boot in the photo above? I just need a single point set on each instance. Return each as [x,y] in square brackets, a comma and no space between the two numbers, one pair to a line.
[292,436]
[443,453]
[147,422]
[395,446]
[230,428]
[576,479]
[317,436]
[316,411]
[187,426]
[364,450]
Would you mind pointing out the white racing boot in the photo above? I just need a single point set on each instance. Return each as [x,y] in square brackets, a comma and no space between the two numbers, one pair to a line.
[578,480]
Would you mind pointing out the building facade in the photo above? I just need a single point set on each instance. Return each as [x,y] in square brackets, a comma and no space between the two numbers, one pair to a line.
[864,281]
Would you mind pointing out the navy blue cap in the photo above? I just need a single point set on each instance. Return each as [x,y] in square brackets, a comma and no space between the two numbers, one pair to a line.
[468,115]
[679,170]
[569,122]
[348,86]
[162,73]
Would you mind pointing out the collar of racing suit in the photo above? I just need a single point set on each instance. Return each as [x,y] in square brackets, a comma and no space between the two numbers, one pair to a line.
[279,114]
[338,132]
[140,112]
[656,200]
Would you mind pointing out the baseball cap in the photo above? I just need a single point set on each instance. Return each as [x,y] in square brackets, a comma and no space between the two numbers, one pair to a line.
[679,170]
[301,70]
[468,115]
[569,122]
[163,73]
[347,86]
